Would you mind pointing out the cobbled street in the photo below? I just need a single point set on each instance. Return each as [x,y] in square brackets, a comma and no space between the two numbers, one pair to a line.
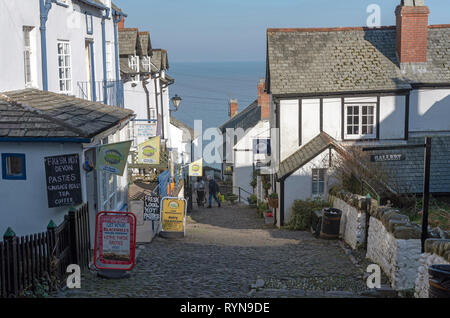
[230,252]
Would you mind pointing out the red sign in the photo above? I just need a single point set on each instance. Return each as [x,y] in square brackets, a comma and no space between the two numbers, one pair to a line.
[115,240]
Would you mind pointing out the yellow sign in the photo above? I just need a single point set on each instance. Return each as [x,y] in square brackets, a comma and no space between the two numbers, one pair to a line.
[196,168]
[112,158]
[148,151]
[173,215]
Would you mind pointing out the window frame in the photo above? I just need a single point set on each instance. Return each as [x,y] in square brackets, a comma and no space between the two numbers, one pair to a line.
[133,63]
[360,135]
[318,181]
[64,66]
[89,24]
[5,175]
[28,48]
[109,61]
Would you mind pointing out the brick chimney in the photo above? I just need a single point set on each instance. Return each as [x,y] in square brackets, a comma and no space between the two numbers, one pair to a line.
[233,107]
[412,31]
[121,24]
[263,100]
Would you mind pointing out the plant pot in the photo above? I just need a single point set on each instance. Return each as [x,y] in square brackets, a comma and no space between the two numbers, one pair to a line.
[273,203]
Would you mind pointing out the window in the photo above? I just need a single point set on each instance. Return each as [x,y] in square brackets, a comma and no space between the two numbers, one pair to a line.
[13,166]
[318,182]
[109,62]
[146,64]
[89,24]
[153,115]
[360,121]
[64,67]
[28,56]
[133,63]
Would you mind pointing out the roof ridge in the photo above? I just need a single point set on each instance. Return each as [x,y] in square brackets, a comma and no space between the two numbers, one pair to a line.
[39,112]
[342,29]
[129,29]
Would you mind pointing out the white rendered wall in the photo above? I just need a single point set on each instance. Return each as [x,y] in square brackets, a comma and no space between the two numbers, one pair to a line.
[422,283]
[243,160]
[310,119]
[298,186]
[24,204]
[332,117]
[429,110]
[392,117]
[15,15]
[288,127]
[353,222]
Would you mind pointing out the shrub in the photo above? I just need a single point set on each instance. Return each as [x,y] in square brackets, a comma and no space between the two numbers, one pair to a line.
[301,213]
[253,199]
[273,195]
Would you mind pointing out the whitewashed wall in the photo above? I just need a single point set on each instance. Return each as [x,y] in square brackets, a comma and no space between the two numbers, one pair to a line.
[392,117]
[353,223]
[310,120]
[298,186]
[422,284]
[288,127]
[429,110]
[243,160]
[24,204]
[332,110]
[398,258]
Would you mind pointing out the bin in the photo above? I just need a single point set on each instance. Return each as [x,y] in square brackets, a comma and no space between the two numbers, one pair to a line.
[331,222]
[439,281]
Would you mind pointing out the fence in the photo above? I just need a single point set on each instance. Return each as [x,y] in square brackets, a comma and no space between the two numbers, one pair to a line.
[30,257]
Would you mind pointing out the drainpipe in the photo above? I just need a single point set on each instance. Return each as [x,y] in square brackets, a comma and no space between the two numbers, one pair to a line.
[94,91]
[105,72]
[45,6]
[118,16]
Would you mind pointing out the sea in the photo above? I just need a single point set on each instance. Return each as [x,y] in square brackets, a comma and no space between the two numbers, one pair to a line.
[206,88]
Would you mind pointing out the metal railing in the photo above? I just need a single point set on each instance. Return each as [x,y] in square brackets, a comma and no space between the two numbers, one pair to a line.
[109,92]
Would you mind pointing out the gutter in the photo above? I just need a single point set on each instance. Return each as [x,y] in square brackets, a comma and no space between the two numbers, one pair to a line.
[45,139]
[45,7]
[105,72]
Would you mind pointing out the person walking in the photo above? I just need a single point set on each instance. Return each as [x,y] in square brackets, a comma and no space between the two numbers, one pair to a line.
[200,191]
[213,189]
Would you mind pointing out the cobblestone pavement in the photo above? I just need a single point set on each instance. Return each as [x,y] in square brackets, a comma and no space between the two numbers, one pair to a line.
[224,253]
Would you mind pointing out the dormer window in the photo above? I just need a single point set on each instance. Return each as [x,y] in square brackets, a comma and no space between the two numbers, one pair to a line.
[146,64]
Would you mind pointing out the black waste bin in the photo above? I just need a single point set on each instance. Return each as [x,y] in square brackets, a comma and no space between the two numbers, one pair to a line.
[316,222]
[331,222]
[439,281]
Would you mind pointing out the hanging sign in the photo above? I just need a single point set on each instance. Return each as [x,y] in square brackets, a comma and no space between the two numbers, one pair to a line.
[387,157]
[63,180]
[196,168]
[149,151]
[112,158]
[146,130]
[261,146]
[115,240]
[173,215]
[151,208]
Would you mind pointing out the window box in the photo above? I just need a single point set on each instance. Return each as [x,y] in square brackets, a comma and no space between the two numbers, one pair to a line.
[14,166]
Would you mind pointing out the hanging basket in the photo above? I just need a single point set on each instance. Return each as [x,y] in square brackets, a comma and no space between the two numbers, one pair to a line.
[273,202]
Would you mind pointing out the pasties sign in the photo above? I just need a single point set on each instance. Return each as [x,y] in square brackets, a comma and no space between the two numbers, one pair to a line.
[63,180]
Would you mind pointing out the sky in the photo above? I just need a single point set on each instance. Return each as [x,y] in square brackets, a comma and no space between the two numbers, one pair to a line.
[235,30]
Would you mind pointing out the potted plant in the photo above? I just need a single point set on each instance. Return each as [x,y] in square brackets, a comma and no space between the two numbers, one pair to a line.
[273,200]
[268,216]
[252,200]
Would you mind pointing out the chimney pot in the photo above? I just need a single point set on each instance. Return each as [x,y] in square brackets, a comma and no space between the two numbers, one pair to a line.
[233,107]
[263,100]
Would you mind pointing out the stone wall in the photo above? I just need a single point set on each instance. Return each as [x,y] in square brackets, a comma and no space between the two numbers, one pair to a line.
[398,257]
[436,252]
[353,223]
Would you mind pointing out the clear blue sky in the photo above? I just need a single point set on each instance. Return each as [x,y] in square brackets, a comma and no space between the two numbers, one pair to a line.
[235,30]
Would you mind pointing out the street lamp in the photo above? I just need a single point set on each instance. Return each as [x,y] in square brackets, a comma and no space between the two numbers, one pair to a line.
[176,100]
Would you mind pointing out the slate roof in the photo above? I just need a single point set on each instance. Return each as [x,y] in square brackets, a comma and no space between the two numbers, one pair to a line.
[160,59]
[145,44]
[407,176]
[33,113]
[124,68]
[245,119]
[308,61]
[179,124]
[306,153]
[128,41]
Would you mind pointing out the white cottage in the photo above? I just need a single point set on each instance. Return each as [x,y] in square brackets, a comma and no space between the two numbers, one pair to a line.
[359,86]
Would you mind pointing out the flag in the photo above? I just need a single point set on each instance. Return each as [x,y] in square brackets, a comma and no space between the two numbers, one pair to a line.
[112,158]
[196,168]
[149,151]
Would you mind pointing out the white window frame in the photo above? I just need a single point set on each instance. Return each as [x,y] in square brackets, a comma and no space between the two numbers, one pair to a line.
[29,58]
[360,124]
[67,79]
[133,63]
[315,179]
[146,63]
[109,62]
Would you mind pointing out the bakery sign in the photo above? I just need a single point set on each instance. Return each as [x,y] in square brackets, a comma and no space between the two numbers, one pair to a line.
[115,240]
[387,157]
